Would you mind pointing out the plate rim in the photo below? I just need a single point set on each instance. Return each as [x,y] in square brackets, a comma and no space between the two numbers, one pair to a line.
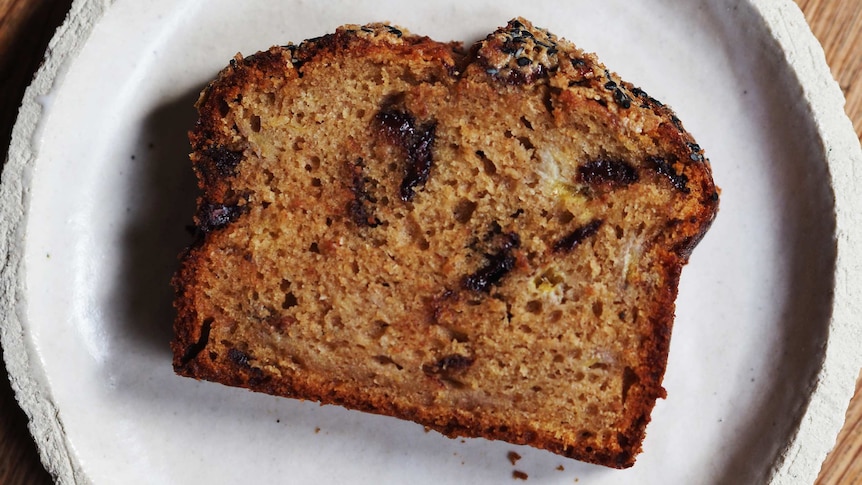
[834,386]
[821,420]
[27,378]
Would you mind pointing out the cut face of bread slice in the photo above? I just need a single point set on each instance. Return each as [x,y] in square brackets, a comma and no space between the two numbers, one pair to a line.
[487,242]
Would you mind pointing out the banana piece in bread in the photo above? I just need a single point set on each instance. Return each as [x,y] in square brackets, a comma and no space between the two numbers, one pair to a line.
[485,241]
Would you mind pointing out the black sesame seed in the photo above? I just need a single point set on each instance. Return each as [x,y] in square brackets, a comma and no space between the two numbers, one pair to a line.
[622,99]
[610,85]
[239,357]
[367,29]
[578,62]
[663,167]
[393,30]
[524,61]
[315,40]
[448,364]
[696,152]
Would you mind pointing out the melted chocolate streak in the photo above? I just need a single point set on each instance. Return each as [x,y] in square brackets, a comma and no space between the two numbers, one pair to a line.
[359,211]
[417,141]
[577,236]
[497,266]
[197,347]
[615,173]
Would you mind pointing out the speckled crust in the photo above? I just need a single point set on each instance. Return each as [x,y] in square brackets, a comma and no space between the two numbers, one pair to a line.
[608,335]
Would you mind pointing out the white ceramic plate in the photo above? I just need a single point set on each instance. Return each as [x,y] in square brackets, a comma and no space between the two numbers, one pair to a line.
[98,191]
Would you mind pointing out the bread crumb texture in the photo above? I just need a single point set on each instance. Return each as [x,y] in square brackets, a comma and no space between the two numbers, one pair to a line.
[486,241]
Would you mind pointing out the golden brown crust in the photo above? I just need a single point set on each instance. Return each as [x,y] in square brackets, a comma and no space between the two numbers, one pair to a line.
[488,243]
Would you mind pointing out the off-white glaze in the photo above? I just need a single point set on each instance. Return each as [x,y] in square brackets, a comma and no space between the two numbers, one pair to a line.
[97,191]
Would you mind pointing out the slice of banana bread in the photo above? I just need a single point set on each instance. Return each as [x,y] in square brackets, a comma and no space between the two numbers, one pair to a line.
[487,241]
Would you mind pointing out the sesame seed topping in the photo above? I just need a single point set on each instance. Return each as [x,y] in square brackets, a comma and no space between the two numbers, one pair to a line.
[393,30]
[622,99]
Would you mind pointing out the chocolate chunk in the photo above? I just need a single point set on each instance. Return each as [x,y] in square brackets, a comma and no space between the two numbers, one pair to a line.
[614,173]
[216,216]
[223,159]
[397,126]
[577,236]
[449,363]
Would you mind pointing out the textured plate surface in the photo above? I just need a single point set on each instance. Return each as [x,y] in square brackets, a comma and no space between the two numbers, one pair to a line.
[98,192]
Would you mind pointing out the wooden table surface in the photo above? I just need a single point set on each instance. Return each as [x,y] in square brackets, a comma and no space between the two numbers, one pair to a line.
[26,27]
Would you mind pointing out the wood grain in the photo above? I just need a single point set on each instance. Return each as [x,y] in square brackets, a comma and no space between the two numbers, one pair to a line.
[26,27]
[838,26]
